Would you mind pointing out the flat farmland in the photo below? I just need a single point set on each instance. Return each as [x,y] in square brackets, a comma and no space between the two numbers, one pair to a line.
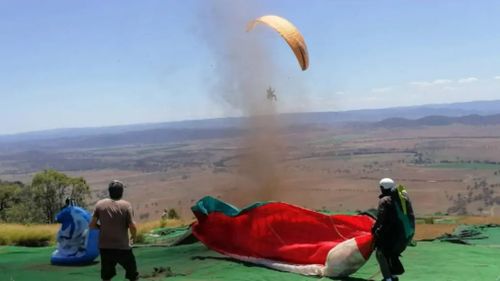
[447,169]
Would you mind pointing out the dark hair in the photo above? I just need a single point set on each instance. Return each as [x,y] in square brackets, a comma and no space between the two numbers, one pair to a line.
[115,189]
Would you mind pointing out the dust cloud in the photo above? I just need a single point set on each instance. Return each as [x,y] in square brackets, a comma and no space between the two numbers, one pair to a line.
[243,70]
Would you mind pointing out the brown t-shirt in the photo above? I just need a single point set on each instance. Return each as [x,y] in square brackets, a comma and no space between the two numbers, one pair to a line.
[114,216]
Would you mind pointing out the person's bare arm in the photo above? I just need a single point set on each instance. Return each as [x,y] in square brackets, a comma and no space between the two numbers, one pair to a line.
[131,225]
[133,231]
[93,223]
[95,218]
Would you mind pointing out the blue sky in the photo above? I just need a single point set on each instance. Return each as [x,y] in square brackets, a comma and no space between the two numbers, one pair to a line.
[96,63]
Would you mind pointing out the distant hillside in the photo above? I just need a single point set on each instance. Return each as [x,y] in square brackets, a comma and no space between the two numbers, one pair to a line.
[218,123]
[183,130]
[152,136]
[473,120]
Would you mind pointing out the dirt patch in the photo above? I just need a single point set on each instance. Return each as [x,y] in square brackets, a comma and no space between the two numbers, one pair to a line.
[432,231]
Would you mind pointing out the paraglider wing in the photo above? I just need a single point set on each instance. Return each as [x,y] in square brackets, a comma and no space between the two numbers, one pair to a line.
[285,237]
[76,243]
[289,32]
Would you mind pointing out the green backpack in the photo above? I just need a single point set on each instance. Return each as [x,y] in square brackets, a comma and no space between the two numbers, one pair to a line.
[402,203]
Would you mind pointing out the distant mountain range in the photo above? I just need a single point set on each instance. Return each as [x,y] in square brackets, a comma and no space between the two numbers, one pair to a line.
[470,113]
[472,120]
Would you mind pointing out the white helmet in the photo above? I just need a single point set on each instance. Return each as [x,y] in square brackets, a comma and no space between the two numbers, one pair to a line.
[387,184]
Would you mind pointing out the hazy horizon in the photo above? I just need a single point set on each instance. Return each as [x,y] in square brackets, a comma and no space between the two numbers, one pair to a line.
[95,64]
[222,117]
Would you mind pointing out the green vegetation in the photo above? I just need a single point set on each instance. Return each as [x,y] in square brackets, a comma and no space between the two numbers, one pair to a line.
[9,196]
[40,201]
[172,214]
[50,189]
[25,209]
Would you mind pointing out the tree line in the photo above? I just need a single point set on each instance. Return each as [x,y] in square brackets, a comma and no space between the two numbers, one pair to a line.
[40,201]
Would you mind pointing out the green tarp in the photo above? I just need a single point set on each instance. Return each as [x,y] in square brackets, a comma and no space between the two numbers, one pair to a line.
[428,261]
[169,236]
[474,235]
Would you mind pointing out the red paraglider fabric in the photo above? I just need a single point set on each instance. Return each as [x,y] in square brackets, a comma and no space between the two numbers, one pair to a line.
[278,231]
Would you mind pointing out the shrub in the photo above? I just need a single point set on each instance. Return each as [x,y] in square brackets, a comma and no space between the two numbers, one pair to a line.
[172,214]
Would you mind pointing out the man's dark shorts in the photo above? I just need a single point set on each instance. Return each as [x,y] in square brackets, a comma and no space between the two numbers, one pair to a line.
[125,258]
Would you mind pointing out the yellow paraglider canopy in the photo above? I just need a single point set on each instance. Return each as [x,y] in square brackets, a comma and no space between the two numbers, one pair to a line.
[289,32]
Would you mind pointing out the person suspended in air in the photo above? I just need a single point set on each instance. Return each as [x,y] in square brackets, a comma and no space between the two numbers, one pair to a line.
[271,95]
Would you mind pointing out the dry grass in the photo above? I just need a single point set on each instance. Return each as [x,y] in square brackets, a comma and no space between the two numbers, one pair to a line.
[148,226]
[479,220]
[432,231]
[45,234]
[28,235]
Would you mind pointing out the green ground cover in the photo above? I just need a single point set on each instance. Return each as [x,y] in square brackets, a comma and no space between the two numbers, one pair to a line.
[166,235]
[492,239]
[427,261]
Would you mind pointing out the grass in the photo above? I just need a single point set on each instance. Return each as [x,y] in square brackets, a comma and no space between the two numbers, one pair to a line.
[38,235]
[28,235]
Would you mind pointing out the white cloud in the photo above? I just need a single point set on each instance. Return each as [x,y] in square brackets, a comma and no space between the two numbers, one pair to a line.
[420,83]
[497,77]
[441,81]
[381,90]
[468,80]
[340,93]
[431,83]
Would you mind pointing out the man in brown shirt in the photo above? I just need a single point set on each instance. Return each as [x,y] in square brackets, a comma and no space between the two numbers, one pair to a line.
[114,217]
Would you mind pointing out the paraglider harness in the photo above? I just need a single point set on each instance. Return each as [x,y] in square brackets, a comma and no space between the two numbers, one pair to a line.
[402,206]
[69,202]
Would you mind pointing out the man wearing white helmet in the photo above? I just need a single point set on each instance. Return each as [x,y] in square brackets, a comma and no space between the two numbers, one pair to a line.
[394,228]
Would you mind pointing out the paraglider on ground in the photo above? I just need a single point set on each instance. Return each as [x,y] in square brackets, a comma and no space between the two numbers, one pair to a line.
[285,237]
[77,244]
